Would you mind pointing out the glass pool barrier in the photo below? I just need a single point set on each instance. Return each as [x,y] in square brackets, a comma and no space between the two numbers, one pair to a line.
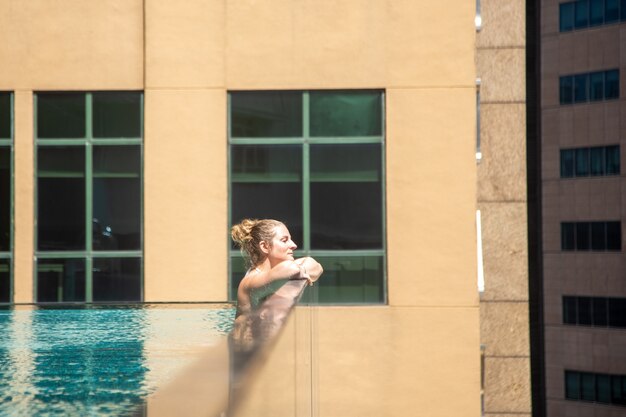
[263,346]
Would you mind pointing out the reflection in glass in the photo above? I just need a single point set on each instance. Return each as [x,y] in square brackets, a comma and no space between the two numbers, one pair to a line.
[346,196]
[117,279]
[61,198]
[596,14]
[567,163]
[580,88]
[267,183]
[611,13]
[572,385]
[116,197]
[5,280]
[582,14]
[5,116]
[60,280]
[612,160]
[5,198]
[117,115]
[348,113]
[568,237]
[570,310]
[263,114]
[611,84]
[566,16]
[60,115]
[566,89]
[582,162]
[597,161]
[348,279]
[596,86]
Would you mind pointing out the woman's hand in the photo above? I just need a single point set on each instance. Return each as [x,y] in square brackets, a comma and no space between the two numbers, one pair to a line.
[310,269]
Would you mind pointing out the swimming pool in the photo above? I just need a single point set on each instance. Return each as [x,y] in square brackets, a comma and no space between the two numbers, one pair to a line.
[99,361]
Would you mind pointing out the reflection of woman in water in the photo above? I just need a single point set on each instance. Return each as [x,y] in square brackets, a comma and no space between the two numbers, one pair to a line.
[268,246]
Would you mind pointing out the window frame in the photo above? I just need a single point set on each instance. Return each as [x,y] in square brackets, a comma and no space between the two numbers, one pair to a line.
[10,143]
[306,140]
[89,255]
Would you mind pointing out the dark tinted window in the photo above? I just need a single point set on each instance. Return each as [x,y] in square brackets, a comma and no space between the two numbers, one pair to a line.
[5,116]
[570,310]
[568,236]
[596,14]
[5,198]
[567,163]
[61,198]
[117,115]
[597,159]
[612,160]
[566,16]
[566,89]
[596,86]
[611,90]
[116,197]
[617,312]
[266,114]
[61,115]
[60,280]
[598,236]
[603,388]
[345,114]
[582,14]
[611,11]
[580,88]
[587,386]
[584,311]
[5,280]
[583,238]
[600,311]
[614,236]
[582,162]
[117,279]
[572,385]
[346,196]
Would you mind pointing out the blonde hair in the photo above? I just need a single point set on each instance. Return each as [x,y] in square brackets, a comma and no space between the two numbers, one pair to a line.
[250,233]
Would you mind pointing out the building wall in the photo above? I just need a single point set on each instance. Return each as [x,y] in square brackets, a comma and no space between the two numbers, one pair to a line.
[502,201]
[419,352]
[589,274]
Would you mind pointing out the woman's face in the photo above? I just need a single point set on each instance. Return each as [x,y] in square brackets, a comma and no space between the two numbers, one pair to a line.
[282,246]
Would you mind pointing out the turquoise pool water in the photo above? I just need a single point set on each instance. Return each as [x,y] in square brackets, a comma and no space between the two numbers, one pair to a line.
[98,361]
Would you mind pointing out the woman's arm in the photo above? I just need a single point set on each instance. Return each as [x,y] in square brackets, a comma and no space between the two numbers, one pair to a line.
[311,267]
[283,270]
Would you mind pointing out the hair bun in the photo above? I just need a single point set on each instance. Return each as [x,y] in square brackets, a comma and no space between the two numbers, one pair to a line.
[242,232]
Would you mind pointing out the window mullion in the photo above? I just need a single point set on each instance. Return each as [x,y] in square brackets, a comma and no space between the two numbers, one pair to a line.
[89,198]
[306,186]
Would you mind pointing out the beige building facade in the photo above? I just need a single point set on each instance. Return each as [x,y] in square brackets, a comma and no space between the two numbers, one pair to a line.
[415,353]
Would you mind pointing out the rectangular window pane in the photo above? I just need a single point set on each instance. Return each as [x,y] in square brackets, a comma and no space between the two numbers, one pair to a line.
[346,196]
[583,238]
[618,394]
[588,386]
[614,236]
[603,388]
[582,162]
[611,11]
[116,279]
[346,113]
[60,280]
[116,197]
[5,116]
[596,86]
[348,279]
[567,163]
[617,312]
[596,13]
[584,311]
[580,88]
[582,14]
[622,10]
[598,236]
[568,239]
[5,280]
[597,161]
[117,115]
[566,89]
[572,385]
[611,90]
[600,311]
[566,16]
[570,310]
[266,114]
[5,198]
[267,183]
[60,115]
[61,198]
[612,160]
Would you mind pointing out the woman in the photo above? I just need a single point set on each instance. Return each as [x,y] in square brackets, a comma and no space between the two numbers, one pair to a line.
[269,249]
